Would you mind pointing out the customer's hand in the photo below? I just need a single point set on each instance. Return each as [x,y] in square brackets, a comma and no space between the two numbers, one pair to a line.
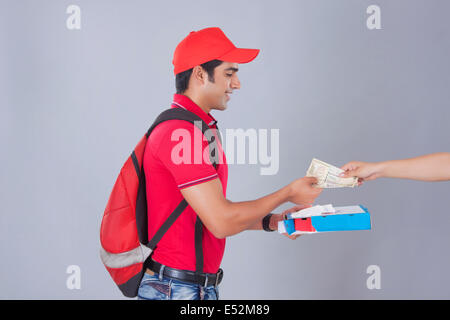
[365,171]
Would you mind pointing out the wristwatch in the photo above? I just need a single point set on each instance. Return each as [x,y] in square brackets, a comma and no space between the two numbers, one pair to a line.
[266,222]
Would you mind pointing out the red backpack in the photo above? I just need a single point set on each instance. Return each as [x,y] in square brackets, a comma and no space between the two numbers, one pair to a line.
[124,229]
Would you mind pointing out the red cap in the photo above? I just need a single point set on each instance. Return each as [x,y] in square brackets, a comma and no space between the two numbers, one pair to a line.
[206,45]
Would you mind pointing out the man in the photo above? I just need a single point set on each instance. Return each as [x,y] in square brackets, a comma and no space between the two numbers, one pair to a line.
[430,167]
[186,261]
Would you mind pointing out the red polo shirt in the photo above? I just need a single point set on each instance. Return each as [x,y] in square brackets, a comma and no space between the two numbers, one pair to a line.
[170,165]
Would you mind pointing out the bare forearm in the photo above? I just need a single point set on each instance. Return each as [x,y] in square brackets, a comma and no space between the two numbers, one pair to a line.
[431,167]
[225,218]
[248,215]
[257,225]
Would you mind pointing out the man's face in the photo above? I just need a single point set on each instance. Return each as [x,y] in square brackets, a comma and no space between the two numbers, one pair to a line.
[217,93]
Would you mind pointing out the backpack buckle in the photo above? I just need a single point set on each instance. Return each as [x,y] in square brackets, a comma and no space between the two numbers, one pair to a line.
[218,274]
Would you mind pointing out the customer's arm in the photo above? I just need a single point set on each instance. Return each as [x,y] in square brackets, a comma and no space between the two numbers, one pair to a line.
[225,218]
[430,167]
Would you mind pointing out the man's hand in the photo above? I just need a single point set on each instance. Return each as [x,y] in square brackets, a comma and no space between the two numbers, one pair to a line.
[280,217]
[303,191]
[365,171]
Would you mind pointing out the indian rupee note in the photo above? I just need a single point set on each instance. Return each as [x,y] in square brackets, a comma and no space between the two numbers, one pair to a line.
[328,175]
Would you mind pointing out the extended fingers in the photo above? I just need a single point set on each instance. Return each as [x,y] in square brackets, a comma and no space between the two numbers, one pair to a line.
[349,166]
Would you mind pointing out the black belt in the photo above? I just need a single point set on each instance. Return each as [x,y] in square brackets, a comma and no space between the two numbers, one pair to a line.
[204,279]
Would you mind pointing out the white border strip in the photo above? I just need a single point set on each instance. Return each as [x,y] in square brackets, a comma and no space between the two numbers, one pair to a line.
[198,180]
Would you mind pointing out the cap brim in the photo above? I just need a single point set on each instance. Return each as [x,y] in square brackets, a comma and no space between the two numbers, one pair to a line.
[240,55]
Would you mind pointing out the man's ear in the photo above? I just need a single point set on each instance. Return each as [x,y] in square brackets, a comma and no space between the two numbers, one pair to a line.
[199,74]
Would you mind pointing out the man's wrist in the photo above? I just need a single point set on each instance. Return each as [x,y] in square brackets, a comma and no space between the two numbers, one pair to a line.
[273,224]
[266,223]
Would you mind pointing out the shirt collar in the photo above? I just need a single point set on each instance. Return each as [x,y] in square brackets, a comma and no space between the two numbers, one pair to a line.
[182,101]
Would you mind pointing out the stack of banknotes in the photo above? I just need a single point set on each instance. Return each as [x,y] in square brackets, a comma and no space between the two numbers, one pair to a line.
[328,175]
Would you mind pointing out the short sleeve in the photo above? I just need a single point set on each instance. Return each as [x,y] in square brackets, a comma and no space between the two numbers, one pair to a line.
[183,150]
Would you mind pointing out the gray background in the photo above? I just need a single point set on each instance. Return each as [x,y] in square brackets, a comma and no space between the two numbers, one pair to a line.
[75,102]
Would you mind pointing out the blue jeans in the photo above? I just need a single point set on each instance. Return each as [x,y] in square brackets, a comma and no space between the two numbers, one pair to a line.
[154,287]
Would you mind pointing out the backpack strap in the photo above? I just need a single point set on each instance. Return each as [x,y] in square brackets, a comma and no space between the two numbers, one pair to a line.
[183,114]
[141,212]
[198,245]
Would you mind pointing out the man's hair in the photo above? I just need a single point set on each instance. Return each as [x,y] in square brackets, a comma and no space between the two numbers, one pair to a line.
[182,78]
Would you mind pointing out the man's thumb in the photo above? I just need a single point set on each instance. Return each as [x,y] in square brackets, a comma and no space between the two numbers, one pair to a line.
[312,180]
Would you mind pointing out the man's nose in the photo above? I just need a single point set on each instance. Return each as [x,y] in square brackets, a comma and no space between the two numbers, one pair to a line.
[235,83]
